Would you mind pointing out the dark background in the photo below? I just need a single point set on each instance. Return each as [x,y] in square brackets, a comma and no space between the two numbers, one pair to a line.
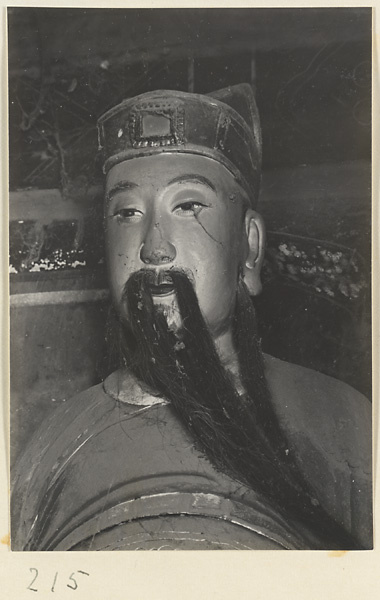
[311,70]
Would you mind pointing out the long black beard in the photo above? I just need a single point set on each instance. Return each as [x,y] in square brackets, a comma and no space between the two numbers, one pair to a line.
[240,434]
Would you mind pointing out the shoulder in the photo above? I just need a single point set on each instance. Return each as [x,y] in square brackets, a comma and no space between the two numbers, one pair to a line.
[329,429]
[80,416]
[63,437]
[336,416]
[67,414]
[57,432]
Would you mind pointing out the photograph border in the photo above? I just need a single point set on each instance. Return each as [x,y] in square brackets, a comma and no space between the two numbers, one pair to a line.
[305,575]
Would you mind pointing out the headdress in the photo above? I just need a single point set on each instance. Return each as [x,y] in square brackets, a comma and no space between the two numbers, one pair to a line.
[223,125]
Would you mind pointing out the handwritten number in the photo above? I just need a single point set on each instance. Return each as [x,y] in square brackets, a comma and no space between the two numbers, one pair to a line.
[33,580]
[54,582]
[71,578]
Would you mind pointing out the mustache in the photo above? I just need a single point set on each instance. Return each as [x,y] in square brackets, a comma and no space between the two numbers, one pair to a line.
[147,278]
[142,285]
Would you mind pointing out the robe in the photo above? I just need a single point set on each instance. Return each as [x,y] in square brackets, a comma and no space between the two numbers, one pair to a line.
[115,469]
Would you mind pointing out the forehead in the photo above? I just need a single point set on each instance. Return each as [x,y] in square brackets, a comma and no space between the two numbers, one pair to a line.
[164,169]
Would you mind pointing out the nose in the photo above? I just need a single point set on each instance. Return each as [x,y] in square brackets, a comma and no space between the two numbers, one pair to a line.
[156,249]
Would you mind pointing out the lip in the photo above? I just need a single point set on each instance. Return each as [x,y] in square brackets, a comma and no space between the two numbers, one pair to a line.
[162,290]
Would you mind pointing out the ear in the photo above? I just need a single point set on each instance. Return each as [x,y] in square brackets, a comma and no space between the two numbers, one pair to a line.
[255,232]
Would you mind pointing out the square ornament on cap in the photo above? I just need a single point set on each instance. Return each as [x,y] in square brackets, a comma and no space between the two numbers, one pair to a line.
[156,127]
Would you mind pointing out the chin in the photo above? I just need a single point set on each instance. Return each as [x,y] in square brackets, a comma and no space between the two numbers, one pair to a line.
[169,307]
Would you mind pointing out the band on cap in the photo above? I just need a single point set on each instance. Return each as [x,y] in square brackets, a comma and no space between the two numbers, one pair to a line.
[223,126]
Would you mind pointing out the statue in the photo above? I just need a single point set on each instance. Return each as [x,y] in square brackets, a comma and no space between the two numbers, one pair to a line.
[199,441]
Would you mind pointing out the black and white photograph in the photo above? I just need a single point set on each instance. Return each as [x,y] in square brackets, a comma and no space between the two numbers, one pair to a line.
[190,278]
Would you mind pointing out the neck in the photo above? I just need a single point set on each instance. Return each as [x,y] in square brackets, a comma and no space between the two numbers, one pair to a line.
[226,350]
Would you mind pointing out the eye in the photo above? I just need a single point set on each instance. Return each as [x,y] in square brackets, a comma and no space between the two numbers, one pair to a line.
[127,214]
[190,208]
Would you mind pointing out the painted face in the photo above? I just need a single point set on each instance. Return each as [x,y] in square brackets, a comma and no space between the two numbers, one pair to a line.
[177,211]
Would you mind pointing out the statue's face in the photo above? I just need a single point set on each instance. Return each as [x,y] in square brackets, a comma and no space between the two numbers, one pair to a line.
[177,211]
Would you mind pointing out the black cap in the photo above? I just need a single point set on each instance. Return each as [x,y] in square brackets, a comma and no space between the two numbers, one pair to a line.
[223,125]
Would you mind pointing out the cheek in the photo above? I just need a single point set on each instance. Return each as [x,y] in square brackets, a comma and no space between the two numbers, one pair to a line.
[120,244]
[121,259]
[215,263]
[224,249]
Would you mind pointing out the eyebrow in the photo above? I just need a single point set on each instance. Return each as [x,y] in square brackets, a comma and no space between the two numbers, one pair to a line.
[119,187]
[130,185]
[190,177]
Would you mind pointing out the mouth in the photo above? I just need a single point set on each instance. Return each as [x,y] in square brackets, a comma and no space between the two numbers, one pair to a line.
[164,289]
[161,284]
